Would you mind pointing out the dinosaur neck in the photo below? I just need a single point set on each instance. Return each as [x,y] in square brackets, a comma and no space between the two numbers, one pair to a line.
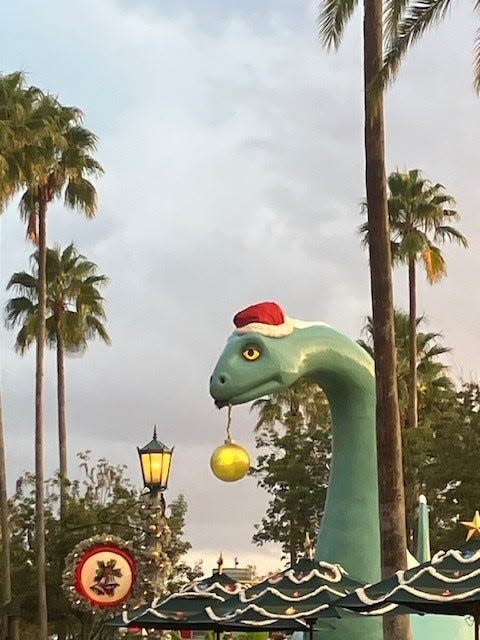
[349,533]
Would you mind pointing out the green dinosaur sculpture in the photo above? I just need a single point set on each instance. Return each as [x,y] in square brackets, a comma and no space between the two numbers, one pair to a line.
[269,352]
[349,533]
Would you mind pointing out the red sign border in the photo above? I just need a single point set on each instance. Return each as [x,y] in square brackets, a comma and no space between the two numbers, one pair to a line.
[105,548]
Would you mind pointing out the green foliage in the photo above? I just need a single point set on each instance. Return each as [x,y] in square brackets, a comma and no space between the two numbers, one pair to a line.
[294,430]
[452,474]
[419,212]
[431,372]
[45,150]
[421,16]
[178,547]
[436,392]
[102,500]
[440,457]
[75,311]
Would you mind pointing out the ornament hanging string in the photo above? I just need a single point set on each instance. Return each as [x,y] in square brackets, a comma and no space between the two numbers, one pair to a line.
[229,422]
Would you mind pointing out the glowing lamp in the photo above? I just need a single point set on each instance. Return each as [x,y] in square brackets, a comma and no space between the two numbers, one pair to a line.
[155,460]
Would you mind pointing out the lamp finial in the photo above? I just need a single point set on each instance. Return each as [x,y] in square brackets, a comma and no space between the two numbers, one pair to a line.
[154,431]
[220,563]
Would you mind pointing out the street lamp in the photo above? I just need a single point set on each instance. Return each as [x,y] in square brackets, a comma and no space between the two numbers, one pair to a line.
[155,461]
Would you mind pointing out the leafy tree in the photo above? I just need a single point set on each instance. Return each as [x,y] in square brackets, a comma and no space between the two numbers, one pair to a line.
[294,429]
[75,315]
[102,500]
[452,474]
[419,212]
[178,547]
[333,18]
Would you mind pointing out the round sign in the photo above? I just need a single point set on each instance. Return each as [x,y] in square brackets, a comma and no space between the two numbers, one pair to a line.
[105,575]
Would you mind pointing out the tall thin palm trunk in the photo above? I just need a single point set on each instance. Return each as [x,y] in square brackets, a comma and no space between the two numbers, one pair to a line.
[6,581]
[62,424]
[412,345]
[389,445]
[39,422]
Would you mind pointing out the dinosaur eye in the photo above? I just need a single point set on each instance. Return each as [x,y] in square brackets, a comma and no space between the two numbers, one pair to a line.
[251,353]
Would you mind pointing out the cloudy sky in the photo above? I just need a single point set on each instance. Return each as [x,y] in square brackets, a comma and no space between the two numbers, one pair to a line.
[232,148]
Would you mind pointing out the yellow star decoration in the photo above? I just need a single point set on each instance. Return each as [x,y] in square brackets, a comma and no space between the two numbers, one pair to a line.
[473,526]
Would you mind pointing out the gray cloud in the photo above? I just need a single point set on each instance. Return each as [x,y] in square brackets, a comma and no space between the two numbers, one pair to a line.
[234,173]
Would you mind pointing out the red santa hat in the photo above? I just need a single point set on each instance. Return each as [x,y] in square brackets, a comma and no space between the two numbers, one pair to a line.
[266,318]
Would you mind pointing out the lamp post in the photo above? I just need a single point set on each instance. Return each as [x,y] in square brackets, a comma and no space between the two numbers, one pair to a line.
[155,460]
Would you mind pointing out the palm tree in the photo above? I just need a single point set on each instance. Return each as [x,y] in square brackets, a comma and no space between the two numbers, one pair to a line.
[18,126]
[431,373]
[414,18]
[333,18]
[419,212]
[434,389]
[75,315]
[54,161]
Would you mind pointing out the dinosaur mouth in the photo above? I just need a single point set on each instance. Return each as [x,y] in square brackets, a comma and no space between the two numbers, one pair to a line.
[264,389]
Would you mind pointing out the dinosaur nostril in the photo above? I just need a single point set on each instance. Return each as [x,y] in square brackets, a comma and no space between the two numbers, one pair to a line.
[222,379]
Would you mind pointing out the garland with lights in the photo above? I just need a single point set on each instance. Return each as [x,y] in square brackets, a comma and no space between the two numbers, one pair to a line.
[152,553]
[449,583]
[76,593]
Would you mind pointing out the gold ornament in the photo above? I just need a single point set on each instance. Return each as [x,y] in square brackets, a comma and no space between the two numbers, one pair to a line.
[473,526]
[230,461]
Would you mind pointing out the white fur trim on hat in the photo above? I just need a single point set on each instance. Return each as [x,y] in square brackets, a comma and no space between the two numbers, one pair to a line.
[268,330]
[278,330]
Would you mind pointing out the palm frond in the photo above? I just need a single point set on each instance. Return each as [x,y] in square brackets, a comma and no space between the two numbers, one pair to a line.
[476,56]
[332,20]
[17,310]
[443,232]
[25,283]
[434,262]
[96,328]
[81,195]
[420,16]
[393,14]
[27,335]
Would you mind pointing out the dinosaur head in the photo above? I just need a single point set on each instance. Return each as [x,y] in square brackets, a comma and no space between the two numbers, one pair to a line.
[251,364]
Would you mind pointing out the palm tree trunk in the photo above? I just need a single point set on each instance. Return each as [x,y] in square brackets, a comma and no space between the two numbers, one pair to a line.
[62,425]
[411,490]
[6,581]
[389,444]
[39,423]
[412,345]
